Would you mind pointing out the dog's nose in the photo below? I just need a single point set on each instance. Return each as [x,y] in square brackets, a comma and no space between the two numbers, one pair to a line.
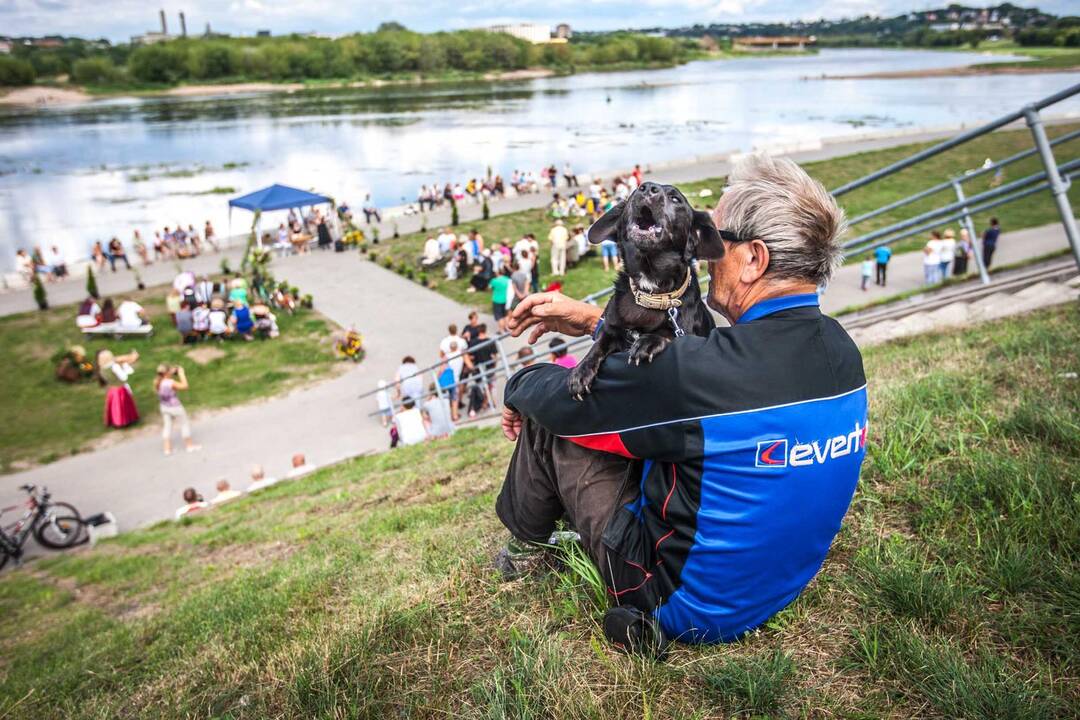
[650,188]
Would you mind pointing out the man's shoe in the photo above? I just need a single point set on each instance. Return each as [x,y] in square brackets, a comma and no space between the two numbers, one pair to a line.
[635,633]
[518,558]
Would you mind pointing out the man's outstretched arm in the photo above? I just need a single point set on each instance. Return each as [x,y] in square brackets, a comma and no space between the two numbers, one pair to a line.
[632,410]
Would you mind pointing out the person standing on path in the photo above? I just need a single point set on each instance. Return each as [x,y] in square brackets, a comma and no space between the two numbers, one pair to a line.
[932,259]
[500,286]
[948,249]
[867,271]
[883,254]
[989,240]
[169,380]
[961,254]
[558,237]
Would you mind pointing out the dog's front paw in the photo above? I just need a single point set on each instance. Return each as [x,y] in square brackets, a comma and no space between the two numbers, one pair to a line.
[581,380]
[646,347]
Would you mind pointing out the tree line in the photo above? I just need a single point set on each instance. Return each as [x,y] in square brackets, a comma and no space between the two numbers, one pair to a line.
[387,52]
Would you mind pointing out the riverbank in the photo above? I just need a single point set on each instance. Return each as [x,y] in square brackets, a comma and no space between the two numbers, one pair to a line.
[1034,67]
[50,95]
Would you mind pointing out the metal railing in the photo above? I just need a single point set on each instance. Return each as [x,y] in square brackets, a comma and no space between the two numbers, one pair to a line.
[1054,177]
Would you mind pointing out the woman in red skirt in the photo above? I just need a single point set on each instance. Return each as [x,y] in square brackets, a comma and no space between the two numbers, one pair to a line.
[113,372]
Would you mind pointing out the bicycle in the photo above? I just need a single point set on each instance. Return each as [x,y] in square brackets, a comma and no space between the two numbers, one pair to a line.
[55,525]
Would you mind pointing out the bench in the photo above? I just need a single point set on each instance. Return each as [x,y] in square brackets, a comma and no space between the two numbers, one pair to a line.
[114,330]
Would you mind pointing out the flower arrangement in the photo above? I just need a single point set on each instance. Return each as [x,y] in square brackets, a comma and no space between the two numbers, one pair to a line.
[353,237]
[350,346]
[72,365]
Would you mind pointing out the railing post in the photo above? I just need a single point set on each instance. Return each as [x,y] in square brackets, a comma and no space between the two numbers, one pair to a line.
[1058,187]
[975,248]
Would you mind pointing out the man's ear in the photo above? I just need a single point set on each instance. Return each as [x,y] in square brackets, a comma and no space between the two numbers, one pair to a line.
[606,227]
[704,242]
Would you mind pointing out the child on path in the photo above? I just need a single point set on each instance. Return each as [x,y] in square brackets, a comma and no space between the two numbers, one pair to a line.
[867,271]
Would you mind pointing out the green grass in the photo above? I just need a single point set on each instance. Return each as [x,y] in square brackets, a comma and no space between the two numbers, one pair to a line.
[49,419]
[366,590]
[588,276]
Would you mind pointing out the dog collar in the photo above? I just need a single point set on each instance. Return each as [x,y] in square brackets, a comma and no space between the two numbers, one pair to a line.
[660,301]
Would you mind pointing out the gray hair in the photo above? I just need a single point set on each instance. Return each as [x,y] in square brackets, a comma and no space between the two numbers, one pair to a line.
[774,200]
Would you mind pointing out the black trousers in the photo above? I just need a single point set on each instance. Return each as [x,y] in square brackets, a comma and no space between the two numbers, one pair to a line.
[551,478]
[988,254]
[881,267]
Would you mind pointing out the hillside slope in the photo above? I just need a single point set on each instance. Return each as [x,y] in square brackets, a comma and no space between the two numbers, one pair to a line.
[366,589]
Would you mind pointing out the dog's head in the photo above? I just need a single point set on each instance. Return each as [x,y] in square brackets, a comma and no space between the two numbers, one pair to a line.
[656,218]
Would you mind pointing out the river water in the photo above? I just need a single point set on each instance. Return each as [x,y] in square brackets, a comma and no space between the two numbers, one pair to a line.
[73,175]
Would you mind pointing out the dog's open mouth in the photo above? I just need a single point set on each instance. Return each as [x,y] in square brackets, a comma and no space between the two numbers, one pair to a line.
[646,221]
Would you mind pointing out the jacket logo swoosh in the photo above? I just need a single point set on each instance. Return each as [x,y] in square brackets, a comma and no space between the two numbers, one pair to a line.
[767,458]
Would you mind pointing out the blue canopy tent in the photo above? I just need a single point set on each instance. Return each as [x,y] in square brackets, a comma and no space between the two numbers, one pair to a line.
[275,197]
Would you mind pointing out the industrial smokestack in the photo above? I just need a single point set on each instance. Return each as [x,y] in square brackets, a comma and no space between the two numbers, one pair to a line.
[183,25]
[164,27]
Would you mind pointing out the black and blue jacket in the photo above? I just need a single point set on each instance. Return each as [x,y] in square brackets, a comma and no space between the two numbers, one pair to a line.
[751,440]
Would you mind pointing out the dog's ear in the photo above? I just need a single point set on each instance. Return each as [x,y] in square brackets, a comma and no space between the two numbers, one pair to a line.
[606,227]
[704,242]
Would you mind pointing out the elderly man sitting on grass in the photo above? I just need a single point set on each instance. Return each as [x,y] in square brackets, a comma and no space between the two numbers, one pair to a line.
[708,485]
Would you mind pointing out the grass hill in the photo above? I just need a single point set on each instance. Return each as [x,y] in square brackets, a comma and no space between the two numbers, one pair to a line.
[366,590]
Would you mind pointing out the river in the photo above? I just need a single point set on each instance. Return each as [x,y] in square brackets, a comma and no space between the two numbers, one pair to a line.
[73,175]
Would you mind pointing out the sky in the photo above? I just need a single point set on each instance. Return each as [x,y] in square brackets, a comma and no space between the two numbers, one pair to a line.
[117,20]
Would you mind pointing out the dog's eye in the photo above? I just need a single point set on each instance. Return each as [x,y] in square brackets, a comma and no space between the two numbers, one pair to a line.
[675,199]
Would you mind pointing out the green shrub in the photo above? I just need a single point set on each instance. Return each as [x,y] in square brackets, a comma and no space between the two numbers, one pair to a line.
[95,71]
[16,72]
[91,283]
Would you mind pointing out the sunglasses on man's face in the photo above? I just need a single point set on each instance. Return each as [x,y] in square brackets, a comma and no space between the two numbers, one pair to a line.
[731,237]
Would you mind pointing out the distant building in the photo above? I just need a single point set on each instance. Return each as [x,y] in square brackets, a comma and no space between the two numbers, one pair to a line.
[535,33]
[563,32]
[151,37]
[6,47]
[758,43]
[262,33]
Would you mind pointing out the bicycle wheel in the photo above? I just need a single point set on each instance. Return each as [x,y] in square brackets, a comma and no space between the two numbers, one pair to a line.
[61,528]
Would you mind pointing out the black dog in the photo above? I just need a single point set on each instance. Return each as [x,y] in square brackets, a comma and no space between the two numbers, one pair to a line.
[657,297]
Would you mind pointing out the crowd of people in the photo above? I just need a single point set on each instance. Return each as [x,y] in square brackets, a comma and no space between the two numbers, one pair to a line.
[463,383]
[476,190]
[51,264]
[194,501]
[233,308]
[948,254]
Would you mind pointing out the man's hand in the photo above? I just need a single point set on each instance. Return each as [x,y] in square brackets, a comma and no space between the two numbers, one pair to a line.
[511,424]
[553,312]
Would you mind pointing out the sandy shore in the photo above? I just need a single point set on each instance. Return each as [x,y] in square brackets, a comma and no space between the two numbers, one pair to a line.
[945,72]
[38,95]
[232,89]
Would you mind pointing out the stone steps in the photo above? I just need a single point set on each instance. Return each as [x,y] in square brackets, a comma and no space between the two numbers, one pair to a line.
[961,313]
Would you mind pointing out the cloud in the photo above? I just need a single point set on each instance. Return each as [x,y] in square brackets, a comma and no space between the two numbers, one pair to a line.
[243,17]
